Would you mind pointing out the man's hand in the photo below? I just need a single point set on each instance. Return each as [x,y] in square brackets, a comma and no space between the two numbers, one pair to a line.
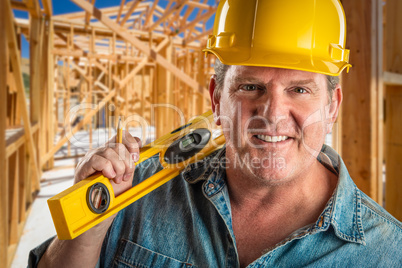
[114,160]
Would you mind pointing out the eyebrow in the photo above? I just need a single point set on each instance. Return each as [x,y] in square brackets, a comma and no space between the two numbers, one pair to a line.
[310,82]
[239,80]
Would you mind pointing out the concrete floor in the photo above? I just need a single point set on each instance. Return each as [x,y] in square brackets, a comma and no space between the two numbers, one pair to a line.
[39,225]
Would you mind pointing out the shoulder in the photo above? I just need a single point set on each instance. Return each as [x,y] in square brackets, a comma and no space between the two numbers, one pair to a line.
[373,213]
[382,231]
[147,168]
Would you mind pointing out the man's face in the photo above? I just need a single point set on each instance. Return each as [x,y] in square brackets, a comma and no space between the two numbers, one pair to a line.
[274,120]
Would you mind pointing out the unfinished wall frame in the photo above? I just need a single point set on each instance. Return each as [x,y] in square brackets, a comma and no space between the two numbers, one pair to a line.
[393,107]
[20,140]
[371,114]
[143,62]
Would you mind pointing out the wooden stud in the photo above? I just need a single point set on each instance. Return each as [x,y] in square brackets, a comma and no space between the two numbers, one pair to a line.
[6,217]
[142,92]
[202,78]
[33,8]
[15,60]
[47,5]
[44,93]
[393,197]
[13,198]
[113,120]
[68,97]
[22,187]
[110,72]
[378,141]
[359,126]
[50,87]
[187,93]
[393,119]
[87,15]
[4,63]
[35,57]
[170,112]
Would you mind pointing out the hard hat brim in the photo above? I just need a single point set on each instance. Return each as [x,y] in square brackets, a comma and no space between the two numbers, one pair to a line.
[285,61]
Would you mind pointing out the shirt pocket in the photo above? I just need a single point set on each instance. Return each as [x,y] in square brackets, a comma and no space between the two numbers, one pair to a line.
[130,254]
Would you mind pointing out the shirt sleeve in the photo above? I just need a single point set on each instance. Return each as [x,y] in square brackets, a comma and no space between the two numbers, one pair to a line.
[36,254]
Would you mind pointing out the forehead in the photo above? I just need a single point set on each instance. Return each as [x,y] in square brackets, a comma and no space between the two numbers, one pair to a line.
[270,74]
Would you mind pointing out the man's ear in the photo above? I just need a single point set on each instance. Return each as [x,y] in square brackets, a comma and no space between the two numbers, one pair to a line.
[214,100]
[333,107]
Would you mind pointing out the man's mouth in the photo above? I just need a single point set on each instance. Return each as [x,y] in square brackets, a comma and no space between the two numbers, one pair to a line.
[272,139]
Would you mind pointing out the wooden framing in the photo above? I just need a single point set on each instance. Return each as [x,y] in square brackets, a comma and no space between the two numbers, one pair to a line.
[141,60]
[361,112]
[130,49]
[19,129]
[3,114]
[15,63]
[370,137]
[393,100]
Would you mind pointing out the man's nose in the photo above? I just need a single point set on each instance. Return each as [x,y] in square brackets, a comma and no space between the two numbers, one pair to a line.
[274,108]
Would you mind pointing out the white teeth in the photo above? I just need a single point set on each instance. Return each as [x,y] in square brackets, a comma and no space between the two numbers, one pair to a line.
[272,138]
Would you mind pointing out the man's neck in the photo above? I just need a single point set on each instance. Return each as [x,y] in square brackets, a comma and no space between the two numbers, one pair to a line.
[310,190]
[263,215]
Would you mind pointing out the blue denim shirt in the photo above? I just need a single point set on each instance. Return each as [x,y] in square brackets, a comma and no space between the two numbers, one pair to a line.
[187,222]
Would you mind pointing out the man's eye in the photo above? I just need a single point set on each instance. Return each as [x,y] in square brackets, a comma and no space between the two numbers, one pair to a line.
[300,90]
[249,87]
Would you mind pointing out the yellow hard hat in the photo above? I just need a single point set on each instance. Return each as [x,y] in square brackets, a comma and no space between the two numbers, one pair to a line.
[307,35]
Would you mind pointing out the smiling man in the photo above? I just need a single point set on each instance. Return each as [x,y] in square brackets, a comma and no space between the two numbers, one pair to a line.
[265,114]
[279,197]
[281,114]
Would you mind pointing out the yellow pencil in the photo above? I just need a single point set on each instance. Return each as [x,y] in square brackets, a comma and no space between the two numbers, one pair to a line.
[119,136]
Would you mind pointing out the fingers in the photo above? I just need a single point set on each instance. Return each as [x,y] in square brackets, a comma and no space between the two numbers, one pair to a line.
[114,160]
[92,163]
[133,145]
[120,159]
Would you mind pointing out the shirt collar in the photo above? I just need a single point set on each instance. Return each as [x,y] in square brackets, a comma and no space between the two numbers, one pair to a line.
[210,169]
[345,203]
[343,210]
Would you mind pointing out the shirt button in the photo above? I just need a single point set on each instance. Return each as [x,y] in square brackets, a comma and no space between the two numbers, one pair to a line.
[211,186]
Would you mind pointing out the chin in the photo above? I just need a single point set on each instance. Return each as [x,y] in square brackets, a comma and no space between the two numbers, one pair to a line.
[277,173]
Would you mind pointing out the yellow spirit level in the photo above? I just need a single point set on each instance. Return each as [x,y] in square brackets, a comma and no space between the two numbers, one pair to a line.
[92,200]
